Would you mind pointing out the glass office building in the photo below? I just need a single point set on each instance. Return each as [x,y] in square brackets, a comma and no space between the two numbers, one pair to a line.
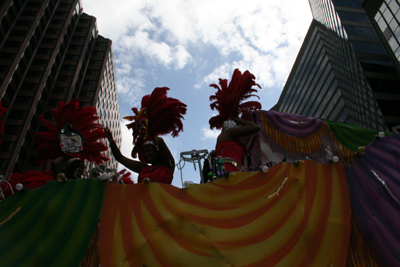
[385,16]
[343,46]
[50,51]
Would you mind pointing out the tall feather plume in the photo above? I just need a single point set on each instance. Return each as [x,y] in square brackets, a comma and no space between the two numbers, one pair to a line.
[229,100]
[82,120]
[164,116]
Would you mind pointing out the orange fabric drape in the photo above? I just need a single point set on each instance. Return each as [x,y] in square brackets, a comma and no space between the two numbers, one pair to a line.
[289,216]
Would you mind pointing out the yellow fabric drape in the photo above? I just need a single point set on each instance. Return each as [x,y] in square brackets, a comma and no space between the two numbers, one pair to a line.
[231,222]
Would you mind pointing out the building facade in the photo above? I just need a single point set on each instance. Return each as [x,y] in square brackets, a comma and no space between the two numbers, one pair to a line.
[363,79]
[50,51]
[385,17]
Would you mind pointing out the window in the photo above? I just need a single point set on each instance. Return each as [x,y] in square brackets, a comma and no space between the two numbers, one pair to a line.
[11,44]
[18,33]
[81,29]
[49,41]
[89,82]
[17,114]
[57,22]
[96,62]
[53,102]
[39,62]
[23,100]
[60,90]
[72,57]
[6,55]
[84,21]
[44,51]
[64,5]
[53,31]
[353,16]
[64,79]
[7,146]
[29,86]
[87,93]
[28,13]
[93,72]
[75,48]
[34,74]
[68,67]
[60,13]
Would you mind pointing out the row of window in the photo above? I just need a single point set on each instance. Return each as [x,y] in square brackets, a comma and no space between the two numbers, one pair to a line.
[369,48]
[388,19]
[368,32]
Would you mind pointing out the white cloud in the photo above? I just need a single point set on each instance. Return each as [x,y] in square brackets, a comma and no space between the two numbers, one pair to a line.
[117,19]
[224,71]
[131,85]
[152,50]
[164,30]
[156,42]
[209,134]
[126,148]
[181,57]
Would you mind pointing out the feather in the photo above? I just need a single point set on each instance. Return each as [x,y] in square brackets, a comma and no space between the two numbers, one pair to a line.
[159,115]
[29,180]
[82,120]
[228,100]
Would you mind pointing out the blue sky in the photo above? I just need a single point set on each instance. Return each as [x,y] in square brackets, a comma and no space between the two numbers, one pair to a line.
[188,44]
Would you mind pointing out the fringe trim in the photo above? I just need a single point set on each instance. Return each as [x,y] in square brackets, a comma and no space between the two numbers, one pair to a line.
[304,145]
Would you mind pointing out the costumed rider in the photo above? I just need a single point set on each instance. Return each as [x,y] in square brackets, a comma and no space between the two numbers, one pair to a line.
[73,139]
[229,101]
[159,115]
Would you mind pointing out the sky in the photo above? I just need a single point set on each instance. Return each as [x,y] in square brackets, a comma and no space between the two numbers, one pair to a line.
[187,45]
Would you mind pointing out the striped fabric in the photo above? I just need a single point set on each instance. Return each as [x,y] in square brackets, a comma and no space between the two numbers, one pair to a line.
[290,216]
[302,212]
[374,182]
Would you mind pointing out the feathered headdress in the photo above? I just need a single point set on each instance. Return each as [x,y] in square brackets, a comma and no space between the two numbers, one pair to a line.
[70,117]
[159,115]
[2,111]
[229,99]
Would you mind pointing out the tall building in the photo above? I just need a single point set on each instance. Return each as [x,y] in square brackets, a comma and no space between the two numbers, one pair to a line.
[327,82]
[50,51]
[385,17]
[343,71]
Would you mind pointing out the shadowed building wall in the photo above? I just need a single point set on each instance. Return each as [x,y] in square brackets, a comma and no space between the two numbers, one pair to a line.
[343,72]
[50,51]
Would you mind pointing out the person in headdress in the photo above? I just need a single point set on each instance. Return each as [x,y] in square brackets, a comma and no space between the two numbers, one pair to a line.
[159,115]
[74,138]
[229,102]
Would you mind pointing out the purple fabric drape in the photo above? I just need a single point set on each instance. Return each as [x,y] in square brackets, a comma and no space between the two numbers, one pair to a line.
[264,150]
[296,125]
[374,185]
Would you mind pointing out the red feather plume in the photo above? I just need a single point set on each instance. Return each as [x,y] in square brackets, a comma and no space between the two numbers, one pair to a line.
[229,99]
[82,120]
[29,180]
[163,116]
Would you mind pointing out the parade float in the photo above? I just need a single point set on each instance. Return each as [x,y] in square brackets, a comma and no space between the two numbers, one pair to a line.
[319,194]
